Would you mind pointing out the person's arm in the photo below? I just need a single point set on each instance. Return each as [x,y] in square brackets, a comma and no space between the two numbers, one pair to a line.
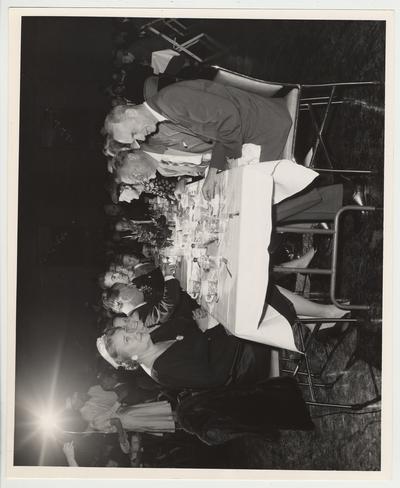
[180,187]
[69,452]
[201,317]
[122,435]
[163,310]
[122,392]
[210,184]
[136,450]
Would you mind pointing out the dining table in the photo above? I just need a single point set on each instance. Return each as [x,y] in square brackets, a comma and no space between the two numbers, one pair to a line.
[219,252]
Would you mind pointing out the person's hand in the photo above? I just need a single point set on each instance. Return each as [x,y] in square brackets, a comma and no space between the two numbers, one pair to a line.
[135,445]
[124,442]
[200,315]
[210,184]
[180,188]
[69,450]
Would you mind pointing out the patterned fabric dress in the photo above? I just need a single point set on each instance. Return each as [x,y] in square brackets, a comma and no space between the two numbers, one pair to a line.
[153,417]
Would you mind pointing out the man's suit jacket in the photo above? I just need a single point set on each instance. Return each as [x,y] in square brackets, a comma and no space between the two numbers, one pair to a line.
[169,301]
[171,136]
[228,116]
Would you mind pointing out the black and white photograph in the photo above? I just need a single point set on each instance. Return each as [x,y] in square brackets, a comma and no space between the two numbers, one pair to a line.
[200,242]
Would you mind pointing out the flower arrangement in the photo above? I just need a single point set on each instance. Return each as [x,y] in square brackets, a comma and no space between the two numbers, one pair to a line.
[161,187]
[156,233]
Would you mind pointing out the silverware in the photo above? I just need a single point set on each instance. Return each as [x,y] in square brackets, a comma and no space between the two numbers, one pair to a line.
[225,261]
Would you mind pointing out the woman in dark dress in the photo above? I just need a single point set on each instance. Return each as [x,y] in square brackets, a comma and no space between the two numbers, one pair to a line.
[186,357]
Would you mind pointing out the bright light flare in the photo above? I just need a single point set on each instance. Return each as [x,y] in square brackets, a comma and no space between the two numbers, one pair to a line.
[48,422]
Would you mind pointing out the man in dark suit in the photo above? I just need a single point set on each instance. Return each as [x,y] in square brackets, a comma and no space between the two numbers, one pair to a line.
[225,116]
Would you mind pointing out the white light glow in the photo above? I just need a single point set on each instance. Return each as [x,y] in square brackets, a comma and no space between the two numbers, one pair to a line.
[48,422]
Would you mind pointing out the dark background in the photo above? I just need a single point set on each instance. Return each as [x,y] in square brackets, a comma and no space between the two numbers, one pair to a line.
[65,65]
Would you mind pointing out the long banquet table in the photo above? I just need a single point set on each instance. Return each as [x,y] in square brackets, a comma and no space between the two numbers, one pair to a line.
[220,252]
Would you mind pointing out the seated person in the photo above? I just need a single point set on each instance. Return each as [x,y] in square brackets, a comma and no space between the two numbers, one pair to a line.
[131,389]
[115,274]
[126,267]
[154,299]
[143,417]
[148,250]
[121,298]
[227,116]
[175,300]
[134,167]
[190,358]
[135,262]
[96,401]
[316,202]
[154,168]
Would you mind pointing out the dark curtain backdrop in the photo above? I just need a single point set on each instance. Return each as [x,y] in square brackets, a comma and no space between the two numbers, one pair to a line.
[65,67]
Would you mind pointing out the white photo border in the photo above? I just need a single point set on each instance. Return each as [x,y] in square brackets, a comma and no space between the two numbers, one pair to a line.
[9,207]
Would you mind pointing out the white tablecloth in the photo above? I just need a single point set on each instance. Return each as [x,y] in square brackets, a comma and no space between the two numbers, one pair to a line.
[245,216]
[161,59]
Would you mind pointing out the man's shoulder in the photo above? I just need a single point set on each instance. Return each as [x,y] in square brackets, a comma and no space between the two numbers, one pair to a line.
[189,87]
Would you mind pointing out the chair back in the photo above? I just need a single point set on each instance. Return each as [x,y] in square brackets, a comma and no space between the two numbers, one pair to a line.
[259,87]
[266,89]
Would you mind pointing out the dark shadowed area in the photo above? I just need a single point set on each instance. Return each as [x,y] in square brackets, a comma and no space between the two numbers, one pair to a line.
[65,65]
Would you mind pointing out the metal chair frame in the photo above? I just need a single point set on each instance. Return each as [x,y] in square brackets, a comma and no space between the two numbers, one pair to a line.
[309,98]
[332,271]
[176,26]
[313,381]
[177,37]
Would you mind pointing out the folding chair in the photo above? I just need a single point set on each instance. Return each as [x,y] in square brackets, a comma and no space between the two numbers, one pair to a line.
[332,270]
[307,377]
[182,39]
[266,89]
[308,98]
[175,27]
[299,97]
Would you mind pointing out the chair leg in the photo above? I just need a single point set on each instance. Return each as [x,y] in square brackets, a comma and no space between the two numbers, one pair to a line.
[312,382]
[308,368]
[319,131]
[340,212]
[366,172]
[305,345]
[345,406]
